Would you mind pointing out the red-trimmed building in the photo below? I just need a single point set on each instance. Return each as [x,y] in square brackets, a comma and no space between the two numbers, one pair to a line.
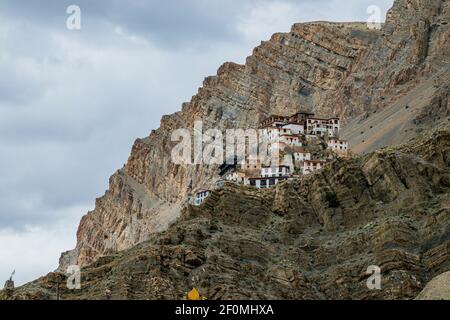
[310,166]
[320,126]
[338,146]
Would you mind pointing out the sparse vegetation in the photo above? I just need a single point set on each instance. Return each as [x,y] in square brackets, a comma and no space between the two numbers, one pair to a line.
[332,199]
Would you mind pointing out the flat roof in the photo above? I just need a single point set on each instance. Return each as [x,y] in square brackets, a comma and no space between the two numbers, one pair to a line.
[296,123]
[325,119]
[302,151]
[274,116]
[316,161]
[283,166]
[268,178]
[202,191]
[288,119]
[269,126]
[292,135]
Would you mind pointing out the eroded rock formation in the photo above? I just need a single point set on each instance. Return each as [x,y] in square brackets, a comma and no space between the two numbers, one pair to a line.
[389,208]
[343,69]
[285,74]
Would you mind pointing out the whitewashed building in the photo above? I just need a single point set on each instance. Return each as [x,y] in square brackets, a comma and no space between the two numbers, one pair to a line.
[310,166]
[318,126]
[274,121]
[286,136]
[295,128]
[220,184]
[291,140]
[201,196]
[302,155]
[265,183]
[272,134]
[338,146]
[236,176]
[251,165]
[279,171]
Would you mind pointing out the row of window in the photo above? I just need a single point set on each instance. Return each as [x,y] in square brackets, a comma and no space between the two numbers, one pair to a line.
[273,175]
[274,169]
[263,183]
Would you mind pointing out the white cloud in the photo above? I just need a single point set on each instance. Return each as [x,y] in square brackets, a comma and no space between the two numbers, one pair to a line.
[34,251]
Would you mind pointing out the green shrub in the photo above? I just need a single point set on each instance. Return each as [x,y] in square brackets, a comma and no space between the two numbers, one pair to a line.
[332,199]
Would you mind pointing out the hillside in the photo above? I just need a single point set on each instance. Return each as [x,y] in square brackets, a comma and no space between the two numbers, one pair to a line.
[391,209]
[285,74]
[388,86]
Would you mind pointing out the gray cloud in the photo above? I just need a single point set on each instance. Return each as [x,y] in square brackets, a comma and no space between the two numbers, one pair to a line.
[168,23]
[176,23]
[73,102]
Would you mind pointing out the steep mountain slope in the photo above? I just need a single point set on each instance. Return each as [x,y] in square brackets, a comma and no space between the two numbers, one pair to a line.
[427,105]
[336,68]
[401,85]
[311,238]
[412,47]
[287,73]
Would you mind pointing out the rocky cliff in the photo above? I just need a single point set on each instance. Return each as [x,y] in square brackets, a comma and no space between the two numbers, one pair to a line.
[287,73]
[401,85]
[336,68]
[412,47]
[311,238]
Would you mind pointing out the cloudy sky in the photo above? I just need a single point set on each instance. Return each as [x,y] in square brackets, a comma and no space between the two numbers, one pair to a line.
[73,102]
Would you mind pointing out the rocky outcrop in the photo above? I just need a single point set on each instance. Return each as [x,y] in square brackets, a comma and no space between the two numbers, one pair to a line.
[400,86]
[288,73]
[437,289]
[336,68]
[412,48]
[125,216]
[311,238]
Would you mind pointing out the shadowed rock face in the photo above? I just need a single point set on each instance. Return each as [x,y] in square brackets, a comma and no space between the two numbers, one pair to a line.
[336,68]
[292,242]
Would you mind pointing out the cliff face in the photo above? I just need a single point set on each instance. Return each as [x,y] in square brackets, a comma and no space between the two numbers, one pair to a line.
[336,68]
[413,46]
[401,84]
[311,238]
[285,74]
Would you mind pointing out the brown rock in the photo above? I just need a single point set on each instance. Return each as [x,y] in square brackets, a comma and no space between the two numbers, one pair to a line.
[437,289]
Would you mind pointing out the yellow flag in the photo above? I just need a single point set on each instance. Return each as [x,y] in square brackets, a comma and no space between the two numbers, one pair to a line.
[194,295]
